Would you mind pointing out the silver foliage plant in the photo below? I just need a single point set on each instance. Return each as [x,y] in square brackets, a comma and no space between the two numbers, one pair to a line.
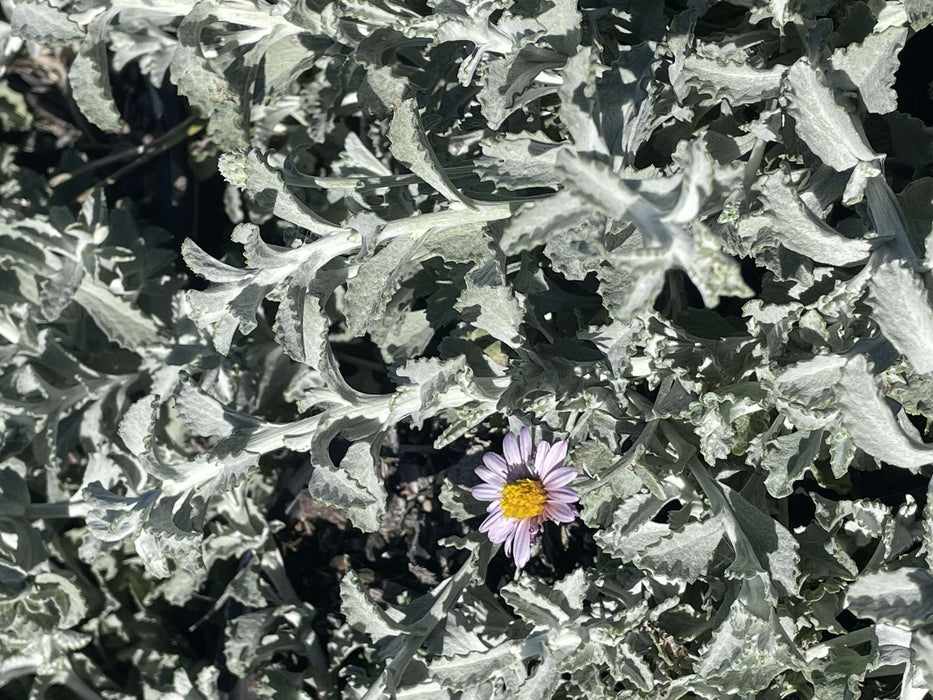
[690,238]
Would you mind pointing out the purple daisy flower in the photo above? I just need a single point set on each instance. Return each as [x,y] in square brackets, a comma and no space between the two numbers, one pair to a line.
[526,485]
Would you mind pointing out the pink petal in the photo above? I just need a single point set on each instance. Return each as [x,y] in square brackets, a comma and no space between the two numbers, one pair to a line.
[487,492]
[560,512]
[559,476]
[522,546]
[510,449]
[490,476]
[488,522]
[540,453]
[501,530]
[493,524]
[554,458]
[495,463]
[562,495]
[524,444]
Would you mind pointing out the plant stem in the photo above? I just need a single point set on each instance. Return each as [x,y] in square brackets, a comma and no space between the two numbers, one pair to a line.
[61,509]
[40,511]
[145,153]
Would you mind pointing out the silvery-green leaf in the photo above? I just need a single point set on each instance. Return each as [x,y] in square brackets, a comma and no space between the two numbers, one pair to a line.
[353,486]
[161,552]
[632,529]
[209,475]
[921,642]
[42,22]
[376,280]
[794,227]
[182,688]
[543,681]
[715,274]
[251,172]
[761,543]
[433,385]
[477,669]
[870,67]
[787,457]
[775,548]
[872,424]
[661,229]
[771,322]
[223,97]
[902,309]
[362,612]
[402,335]
[920,13]
[205,415]
[402,632]
[927,536]
[113,517]
[631,289]
[684,553]
[22,543]
[718,415]
[902,596]
[493,309]
[781,12]
[209,96]
[410,145]
[736,82]
[917,205]
[627,98]
[15,493]
[207,266]
[509,83]
[359,156]
[580,76]
[547,606]
[301,325]
[888,218]
[580,251]
[535,222]
[233,299]
[749,648]
[561,22]
[89,77]
[254,639]
[64,601]
[825,126]
[382,89]
[518,162]
[123,323]
[136,425]
[805,391]
[57,291]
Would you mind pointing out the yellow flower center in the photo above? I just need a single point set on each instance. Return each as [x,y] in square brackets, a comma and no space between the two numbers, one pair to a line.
[523,499]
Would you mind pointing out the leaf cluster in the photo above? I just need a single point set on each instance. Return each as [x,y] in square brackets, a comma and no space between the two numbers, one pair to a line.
[691,238]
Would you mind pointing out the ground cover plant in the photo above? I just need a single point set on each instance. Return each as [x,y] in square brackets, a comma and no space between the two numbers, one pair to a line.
[309,306]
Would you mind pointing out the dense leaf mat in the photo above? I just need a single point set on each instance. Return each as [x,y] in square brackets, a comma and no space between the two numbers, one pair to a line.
[275,275]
